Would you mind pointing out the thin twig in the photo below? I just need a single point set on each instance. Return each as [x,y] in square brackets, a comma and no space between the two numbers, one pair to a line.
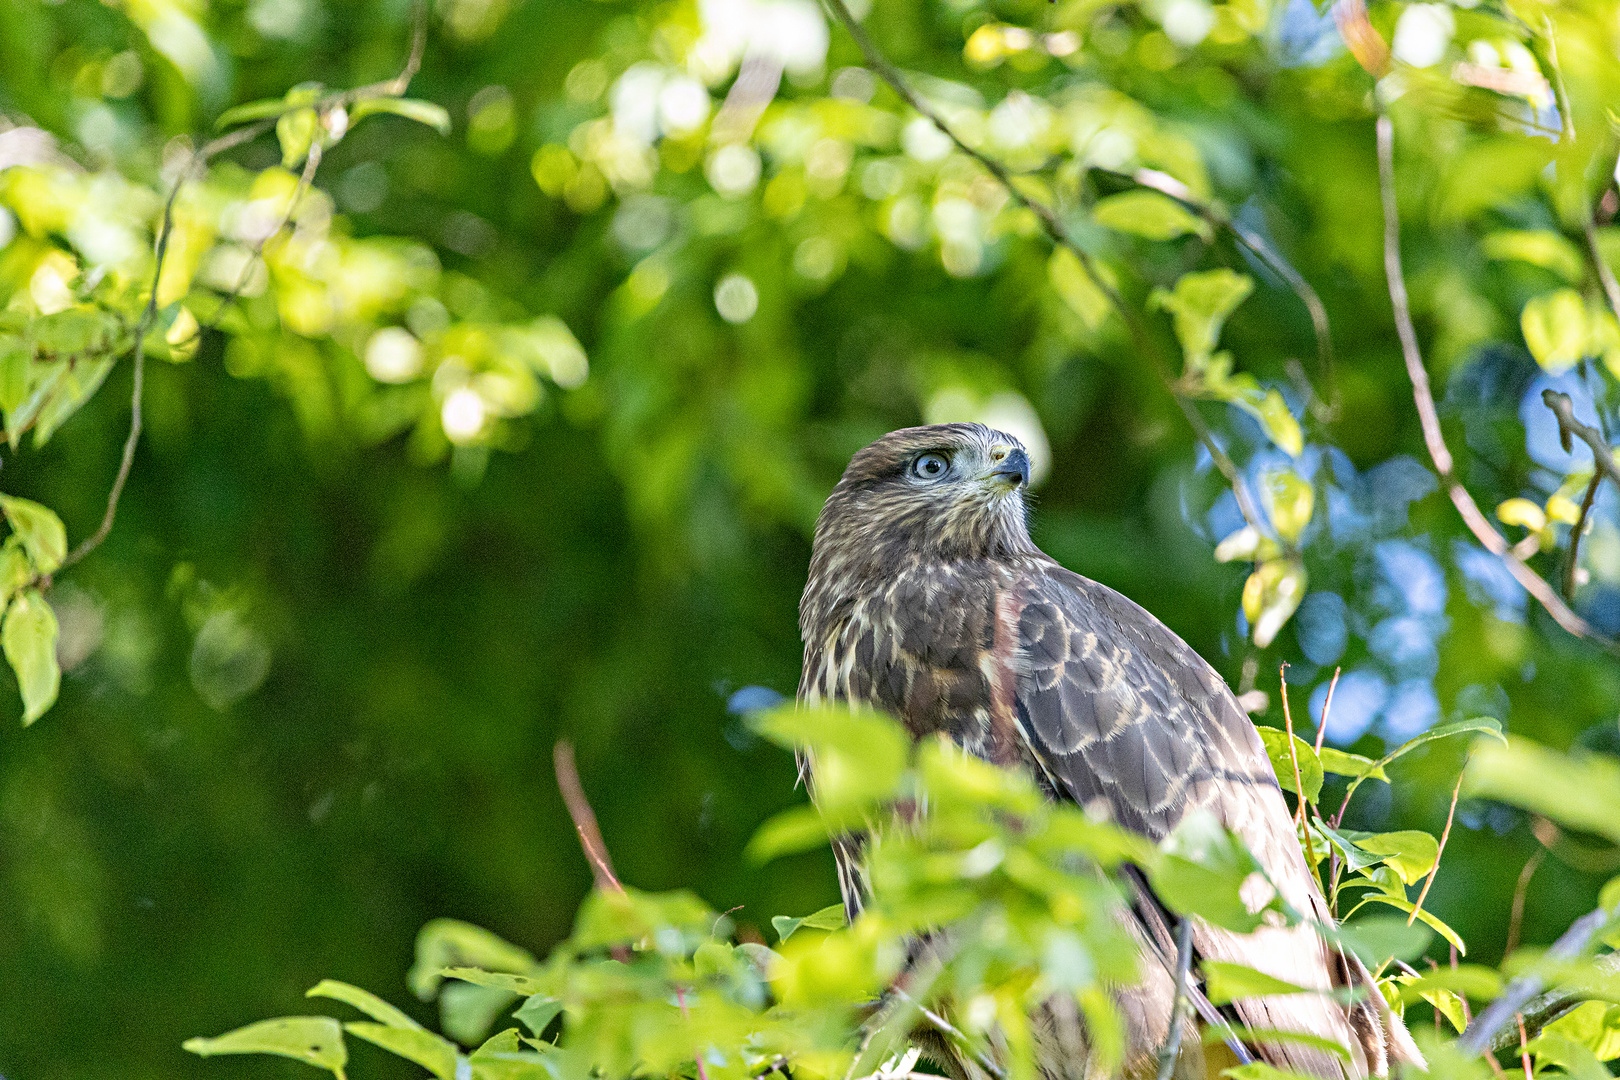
[1482,529]
[1299,784]
[1445,834]
[952,1032]
[1611,288]
[579,809]
[1055,230]
[1178,1007]
[1524,1050]
[229,141]
[1520,991]
[1170,187]
[1564,409]
[1521,890]
[1572,562]
[1327,704]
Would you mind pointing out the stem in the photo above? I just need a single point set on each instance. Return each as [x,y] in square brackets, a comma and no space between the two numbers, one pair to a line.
[1172,1041]
[1445,835]
[1482,529]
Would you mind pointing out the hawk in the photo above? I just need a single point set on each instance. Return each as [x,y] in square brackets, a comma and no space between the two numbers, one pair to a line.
[927,599]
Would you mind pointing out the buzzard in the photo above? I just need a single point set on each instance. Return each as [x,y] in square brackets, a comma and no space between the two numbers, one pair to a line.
[927,599]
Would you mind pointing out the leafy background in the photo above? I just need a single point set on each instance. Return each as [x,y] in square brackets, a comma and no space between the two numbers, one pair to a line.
[313,678]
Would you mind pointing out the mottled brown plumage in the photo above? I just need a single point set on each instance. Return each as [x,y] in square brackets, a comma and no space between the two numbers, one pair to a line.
[928,599]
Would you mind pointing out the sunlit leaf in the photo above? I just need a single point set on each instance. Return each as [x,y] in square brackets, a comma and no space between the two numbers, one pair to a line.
[445,943]
[1199,305]
[1259,1070]
[1572,1055]
[1289,501]
[29,640]
[252,110]
[1410,853]
[1593,1024]
[1470,980]
[1216,1035]
[1149,214]
[433,1052]
[423,112]
[828,918]
[1540,247]
[314,1040]
[1484,725]
[1340,763]
[1580,789]
[1379,938]
[1310,767]
[1555,329]
[296,131]
[39,530]
[1202,872]
[1424,914]
[500,980]
[367,1002]
[1271,595]
[537,1012]
[1225,982]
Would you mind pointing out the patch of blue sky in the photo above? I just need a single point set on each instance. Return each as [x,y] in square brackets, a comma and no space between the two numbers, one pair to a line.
[1359,699]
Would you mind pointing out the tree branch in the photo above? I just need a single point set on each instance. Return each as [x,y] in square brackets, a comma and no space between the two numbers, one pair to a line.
[1439,454]
[579,809]
[394,87]
[1178,1006]
[1055,230]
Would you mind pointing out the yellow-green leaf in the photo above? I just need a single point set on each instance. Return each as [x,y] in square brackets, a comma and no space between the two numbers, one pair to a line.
[1540,247]
[364,1000]
[1310,766]
[433,1052]
[314,1040]
[29,641]
[1410,853]
[1555,329]
[39,530]
[1149,214]
[296,132]
[1199,305]
[1289,500]
[423,112]
[1225,982]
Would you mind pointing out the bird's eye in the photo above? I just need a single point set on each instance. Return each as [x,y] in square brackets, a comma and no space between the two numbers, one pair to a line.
[930,466]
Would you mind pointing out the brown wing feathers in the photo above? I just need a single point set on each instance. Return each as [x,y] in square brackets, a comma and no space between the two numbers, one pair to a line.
[960,625]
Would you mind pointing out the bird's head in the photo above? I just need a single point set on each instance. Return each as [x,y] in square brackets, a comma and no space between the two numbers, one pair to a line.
[947,491]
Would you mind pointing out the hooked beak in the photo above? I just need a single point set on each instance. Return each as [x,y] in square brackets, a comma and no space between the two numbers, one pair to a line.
[1014,468]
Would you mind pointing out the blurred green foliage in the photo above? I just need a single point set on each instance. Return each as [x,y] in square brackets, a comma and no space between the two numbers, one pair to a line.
[455,444]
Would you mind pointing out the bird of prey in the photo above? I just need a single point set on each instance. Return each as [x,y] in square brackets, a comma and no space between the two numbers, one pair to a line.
[928,600]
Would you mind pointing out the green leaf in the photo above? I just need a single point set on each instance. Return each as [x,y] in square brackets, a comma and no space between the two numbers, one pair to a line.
[423,112]
[296,131]
[1470,980]
[1225,983]
[1540,247]
[1593,1024]
[39,530]
[76,386]
[1580,790]
[14,361]
[830,917]
[1424,914]
[1199,305]
[796,829]
[1077,288]
[1215,1035]
[1202,871]
[1259,1070]
[1149,214]
[1378,939]
[1555,329]
[1271,595]
[1289,500]
[1344,841]
[433,1052]
[858,757]
[252,110]
[1340,763]
[1571,1055]
[1310,767]
[314,1040]
[1482,724]
[537,1012]
[364,1000]
[29,641]
[500,980]
[16,570]
[445,943]
[1410,853]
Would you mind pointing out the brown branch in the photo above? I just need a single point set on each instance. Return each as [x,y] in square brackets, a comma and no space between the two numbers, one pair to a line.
[1178,1005]
[1055,230]
[1572,562]
[579,809]
[1564,409]
[1321,728]
[1445,834]
[1439,454]
[1172,188]
[1520,891]
[211,149]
